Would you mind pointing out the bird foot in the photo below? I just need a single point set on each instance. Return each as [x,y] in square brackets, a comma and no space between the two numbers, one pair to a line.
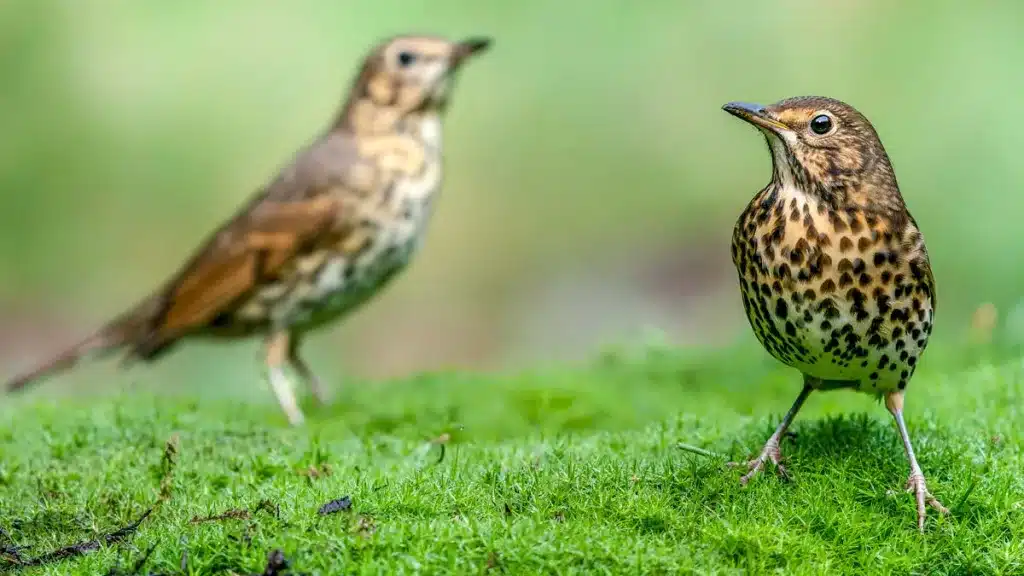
[295,417]
[770,453]
[916,485]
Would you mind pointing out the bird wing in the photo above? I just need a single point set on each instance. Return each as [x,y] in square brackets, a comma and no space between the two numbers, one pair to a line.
[309,204]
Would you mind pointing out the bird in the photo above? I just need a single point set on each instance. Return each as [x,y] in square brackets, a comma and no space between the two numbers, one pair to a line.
[320,238]
[833,270]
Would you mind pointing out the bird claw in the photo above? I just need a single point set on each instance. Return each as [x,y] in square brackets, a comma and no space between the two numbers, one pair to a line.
[917,486]
[770,453]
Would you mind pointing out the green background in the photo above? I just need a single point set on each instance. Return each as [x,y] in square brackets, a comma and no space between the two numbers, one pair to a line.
[592,179]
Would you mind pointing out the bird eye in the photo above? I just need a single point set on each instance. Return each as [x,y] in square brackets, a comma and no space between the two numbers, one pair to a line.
[406,59]
[821,124]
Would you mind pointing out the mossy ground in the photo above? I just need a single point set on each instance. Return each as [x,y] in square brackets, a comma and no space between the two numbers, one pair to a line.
[558,471]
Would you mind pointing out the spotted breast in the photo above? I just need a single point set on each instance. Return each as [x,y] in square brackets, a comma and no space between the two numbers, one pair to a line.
[330,280]
[844,295]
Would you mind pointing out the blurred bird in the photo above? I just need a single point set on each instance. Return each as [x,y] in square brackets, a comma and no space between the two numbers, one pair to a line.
[332,229]
[833,270]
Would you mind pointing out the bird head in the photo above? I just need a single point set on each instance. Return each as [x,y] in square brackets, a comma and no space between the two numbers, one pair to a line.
[411,74]
[825,148]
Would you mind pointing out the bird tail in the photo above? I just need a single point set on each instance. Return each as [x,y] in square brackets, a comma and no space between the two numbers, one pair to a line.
[122,331]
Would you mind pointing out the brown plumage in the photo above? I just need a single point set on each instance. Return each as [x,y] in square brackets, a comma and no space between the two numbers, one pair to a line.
[833,270]
[322,237]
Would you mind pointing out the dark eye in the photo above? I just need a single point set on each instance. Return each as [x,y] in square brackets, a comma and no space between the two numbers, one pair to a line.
[821,124]
[406,58]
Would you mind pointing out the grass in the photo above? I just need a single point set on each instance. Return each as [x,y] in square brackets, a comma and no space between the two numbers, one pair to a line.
[559,471]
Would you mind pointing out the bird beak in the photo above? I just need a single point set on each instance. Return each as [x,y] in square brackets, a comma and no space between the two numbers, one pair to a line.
[469,47]
[756,115]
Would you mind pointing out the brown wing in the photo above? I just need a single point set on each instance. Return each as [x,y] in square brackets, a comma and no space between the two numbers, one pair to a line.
[301,208]
[253,249]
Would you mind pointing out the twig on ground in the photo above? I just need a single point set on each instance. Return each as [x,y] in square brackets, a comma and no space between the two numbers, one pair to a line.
[86,546]
[233,514]
[699,451]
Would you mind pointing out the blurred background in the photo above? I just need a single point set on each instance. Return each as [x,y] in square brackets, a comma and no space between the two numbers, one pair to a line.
[592,179]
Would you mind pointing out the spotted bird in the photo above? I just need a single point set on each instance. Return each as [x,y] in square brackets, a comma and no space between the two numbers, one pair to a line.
[833,270]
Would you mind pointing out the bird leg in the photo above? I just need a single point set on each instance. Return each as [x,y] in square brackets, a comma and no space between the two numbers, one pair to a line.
[915,484]
[771,452]
[319,392]
[277,346]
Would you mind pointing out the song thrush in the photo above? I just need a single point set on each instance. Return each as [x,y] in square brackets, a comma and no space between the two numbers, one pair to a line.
[833,270]
[329,232]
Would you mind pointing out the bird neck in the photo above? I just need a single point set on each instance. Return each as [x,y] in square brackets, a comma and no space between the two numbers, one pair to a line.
[873,189]
[365,118]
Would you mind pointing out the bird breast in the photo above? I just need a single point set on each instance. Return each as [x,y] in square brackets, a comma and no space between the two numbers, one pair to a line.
[382,246]
[841,294]
[335,279]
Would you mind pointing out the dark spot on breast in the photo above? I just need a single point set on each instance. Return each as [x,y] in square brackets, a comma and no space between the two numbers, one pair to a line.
[807,316]
[880,258]
[828,308]
[790,329]
[863,244]
[883,361]
[777,287]
[844,265]
[882,301]
[781,310]
[766,289]
[828,286]
[855,225]
[858,266]
[837,223]
[857,300]
[845,280]
[810,295]
[832,344]
[874,376]
[845,244]
[864,280]
[825,325]
[916,271]
[885,277]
